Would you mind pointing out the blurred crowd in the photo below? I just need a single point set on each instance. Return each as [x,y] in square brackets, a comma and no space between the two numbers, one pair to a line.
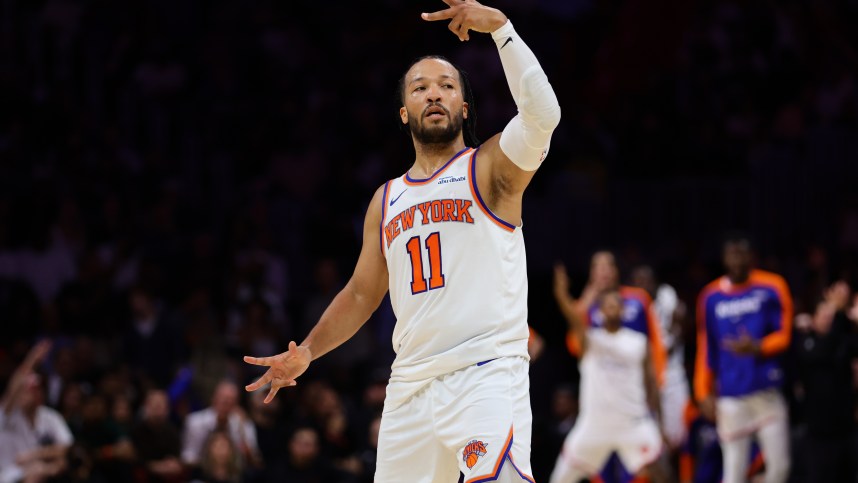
[183,183]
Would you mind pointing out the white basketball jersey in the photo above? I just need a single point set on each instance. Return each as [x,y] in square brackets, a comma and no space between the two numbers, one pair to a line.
[612,376]
[458,283]
[665,304]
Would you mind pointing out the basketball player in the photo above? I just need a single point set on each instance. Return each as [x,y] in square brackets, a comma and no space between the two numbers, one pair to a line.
[618,394]
[445,239]
[638,313]
[744,322]
[669,312]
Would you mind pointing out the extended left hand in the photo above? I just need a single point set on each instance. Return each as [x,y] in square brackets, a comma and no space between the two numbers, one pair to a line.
[468,15]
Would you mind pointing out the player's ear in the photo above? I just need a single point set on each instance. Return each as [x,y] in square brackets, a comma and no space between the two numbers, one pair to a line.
[403,115]
[465,110]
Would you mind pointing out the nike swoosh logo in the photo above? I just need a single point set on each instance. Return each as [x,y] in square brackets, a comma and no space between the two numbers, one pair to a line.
[400,194]
[508,40]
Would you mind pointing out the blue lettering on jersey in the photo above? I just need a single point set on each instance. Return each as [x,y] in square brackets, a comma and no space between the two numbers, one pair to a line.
[451,179]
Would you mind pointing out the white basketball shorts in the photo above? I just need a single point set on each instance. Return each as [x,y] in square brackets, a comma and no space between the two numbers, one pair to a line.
[742,416]
[590,443]
[476,420]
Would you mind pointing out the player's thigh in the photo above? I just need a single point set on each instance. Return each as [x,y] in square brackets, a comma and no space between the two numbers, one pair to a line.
[586,448]
[767,406]
[735,417]
[640,446]
[483,417]
[407,447]
[522,416]
[673,402]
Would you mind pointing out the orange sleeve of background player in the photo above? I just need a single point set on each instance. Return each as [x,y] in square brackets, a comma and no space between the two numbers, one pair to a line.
[779,340]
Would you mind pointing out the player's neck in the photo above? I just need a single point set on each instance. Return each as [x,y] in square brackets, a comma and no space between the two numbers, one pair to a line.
[739,278]
[429,158]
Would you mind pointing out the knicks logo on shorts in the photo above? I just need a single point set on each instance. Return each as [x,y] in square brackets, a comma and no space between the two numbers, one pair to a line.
[473,450]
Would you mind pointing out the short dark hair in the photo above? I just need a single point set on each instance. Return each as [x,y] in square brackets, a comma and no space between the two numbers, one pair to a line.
[469,133]
[736,237]
[608,293]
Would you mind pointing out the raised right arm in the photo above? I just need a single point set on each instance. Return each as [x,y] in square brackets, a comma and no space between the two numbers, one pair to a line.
[570,308]
[22,376]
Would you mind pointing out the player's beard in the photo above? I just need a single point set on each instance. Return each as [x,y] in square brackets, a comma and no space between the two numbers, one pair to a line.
[436,135]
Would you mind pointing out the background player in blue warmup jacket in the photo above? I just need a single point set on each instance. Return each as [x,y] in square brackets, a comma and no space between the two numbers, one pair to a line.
[744,322]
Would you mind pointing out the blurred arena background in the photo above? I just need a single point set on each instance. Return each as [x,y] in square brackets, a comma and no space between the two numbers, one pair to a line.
[183,183]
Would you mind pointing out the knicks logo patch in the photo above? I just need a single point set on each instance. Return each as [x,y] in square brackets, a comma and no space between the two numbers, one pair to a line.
[473,450]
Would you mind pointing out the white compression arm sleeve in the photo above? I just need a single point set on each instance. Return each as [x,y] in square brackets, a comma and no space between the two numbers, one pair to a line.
[526,138]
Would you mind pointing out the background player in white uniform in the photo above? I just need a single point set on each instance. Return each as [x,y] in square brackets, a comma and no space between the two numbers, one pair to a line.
[446,240]
[674,391]
[618,394]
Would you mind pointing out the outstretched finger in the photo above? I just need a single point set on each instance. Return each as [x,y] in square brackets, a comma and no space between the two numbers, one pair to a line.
[265,379]
[439,15]
[271,394]
[259,361]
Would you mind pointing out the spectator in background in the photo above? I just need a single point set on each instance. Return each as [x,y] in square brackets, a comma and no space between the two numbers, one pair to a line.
[34,438]
[669,311]
[71,406]
[157,441]
[744,323]
[224,414]
[256,333]
[122,413]
[270,426]
[372,403]
[221,462]
[825,355]
[152,348]
[564,412]
[109,447]
[328,416]
[305,462]
[64,372]
[368,456]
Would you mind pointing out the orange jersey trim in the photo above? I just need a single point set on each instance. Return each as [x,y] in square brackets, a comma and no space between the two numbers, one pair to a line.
[659,354]
[383,214]
[686,467]
[704,379]
[506,453]
[493,475]
[777,341]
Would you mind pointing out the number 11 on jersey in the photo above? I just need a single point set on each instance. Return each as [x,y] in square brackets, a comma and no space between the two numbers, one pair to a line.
[436,273]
